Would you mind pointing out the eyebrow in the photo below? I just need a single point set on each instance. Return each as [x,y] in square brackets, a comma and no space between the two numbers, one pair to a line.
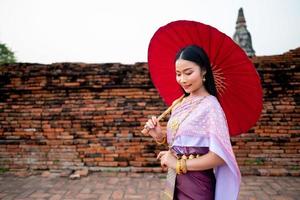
[185,69]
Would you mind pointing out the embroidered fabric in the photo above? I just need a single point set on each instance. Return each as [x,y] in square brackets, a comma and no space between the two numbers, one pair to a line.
[206,126]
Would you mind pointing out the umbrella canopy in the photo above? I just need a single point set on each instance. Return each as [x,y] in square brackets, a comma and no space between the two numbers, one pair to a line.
[237,81]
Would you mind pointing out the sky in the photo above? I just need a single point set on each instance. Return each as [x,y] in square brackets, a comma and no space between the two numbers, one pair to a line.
[119,31]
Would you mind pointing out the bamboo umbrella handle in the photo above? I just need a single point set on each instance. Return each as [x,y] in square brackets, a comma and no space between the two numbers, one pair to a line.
[145,130]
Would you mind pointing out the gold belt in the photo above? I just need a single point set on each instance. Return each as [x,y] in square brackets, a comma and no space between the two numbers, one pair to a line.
[191,156]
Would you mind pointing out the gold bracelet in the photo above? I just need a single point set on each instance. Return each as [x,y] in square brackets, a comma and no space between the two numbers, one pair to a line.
[183,166]
[178,167]
[161,143]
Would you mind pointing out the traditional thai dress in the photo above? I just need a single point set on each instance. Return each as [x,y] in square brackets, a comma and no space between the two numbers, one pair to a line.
[202,128]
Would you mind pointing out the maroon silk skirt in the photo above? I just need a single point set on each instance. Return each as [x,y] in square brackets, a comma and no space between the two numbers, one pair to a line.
[195,185]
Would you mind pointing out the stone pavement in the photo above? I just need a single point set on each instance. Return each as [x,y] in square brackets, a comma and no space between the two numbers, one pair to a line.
[123,185]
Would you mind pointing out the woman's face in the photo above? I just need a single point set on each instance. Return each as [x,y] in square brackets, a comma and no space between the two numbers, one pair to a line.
[189,75]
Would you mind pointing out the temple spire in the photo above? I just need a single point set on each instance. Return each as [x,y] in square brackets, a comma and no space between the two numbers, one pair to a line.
[242,36]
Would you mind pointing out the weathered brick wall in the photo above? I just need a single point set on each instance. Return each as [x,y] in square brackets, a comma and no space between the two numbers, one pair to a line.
[273,145]
[70,115]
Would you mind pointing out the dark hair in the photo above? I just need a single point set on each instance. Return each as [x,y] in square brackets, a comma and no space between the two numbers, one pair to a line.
[197,55]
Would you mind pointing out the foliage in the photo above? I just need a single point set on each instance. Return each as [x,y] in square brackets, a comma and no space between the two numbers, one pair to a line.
[3,170]
[6,56]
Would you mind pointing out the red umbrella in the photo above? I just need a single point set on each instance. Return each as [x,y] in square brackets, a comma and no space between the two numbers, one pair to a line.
[238,84]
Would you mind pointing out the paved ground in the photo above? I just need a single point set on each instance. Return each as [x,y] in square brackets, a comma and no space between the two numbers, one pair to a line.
[146,186]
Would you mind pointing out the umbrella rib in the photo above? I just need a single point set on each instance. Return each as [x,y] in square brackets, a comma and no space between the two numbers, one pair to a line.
[179,36]
[237,64]
[174,43]
[228,53]
[189,34]
[219,80]
[218,49]
[199,34]
[209,40]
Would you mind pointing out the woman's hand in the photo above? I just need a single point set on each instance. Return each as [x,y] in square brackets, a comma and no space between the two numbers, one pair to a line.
[154,129]
[167,159]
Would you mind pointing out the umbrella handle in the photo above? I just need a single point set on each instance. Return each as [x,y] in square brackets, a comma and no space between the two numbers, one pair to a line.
[145,131]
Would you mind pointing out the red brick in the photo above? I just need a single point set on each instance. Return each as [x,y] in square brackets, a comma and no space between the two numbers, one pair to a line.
[103,124]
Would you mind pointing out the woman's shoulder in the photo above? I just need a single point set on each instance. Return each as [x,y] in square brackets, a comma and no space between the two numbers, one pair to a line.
[212,101]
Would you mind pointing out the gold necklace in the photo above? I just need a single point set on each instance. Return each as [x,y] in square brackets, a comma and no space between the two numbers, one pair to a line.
[175,123]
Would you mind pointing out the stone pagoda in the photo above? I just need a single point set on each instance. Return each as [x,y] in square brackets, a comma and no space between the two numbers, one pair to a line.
[242,36]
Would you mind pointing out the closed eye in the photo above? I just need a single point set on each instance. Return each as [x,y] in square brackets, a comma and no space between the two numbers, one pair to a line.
[188,72]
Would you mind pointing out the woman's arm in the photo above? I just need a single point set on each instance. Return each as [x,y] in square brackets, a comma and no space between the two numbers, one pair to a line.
[207,161]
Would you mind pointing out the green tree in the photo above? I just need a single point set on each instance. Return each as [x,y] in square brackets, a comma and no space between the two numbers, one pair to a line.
[6,56]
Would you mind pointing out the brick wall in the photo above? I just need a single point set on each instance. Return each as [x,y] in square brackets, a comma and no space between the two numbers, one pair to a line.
[70,115]
[272,147]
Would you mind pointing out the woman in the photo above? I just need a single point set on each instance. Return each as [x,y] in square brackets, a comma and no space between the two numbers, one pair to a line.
[197,134]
